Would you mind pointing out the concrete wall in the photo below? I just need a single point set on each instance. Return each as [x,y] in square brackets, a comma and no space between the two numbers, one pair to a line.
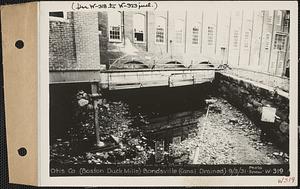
[250,97]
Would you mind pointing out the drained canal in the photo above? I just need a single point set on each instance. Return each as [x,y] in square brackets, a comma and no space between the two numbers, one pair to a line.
[182,125]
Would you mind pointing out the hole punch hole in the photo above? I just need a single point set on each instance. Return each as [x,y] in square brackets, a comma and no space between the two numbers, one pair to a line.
[22,151]
[19,44]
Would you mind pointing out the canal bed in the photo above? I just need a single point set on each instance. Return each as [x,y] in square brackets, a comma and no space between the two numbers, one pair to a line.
[163,126]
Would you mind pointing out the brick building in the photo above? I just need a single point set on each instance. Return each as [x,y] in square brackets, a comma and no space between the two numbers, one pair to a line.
[91,41]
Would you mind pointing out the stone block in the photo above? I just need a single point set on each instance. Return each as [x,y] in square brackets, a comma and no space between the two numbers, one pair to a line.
[265,102]
[256,103]
[284,127]
[251,99]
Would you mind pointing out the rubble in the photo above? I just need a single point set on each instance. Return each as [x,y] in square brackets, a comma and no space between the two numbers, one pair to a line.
[82,102]
[229,138]
[225,136]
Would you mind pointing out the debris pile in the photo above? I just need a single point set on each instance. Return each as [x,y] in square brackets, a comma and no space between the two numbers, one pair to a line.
[228,137]
[224,136]
[115,127]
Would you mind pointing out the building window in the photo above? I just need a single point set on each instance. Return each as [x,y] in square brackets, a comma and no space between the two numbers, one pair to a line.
[269,17]
[236,39]
[278,18]
[268,41]
[59,14]
[279,42]
[139,27]
[246,40]
[114,25]
[210,35]
[160,30]
[179,27]
[195,34]
[287,19]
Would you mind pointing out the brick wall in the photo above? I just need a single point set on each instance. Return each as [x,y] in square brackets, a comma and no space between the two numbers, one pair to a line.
[74,42]
[87,40]
[61,45]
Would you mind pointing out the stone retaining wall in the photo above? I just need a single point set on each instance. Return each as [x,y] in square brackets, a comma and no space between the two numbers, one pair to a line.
[250,97]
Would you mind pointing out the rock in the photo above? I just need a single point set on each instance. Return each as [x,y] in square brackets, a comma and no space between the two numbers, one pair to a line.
[90,107]
[116,139]
[215,109]
[82,102]
[284,127]
[106,106]
[276,154]
[210,101]
[139,148]
[281,153]
[233,120]
[256,103]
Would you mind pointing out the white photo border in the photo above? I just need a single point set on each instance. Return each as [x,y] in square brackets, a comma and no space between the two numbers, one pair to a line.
[44,178]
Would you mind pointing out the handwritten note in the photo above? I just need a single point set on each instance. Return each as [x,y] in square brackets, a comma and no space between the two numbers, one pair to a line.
[76,6]
[284,180]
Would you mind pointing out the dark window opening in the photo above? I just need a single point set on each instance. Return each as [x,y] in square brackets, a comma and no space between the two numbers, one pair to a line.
[59,14]
[139,36]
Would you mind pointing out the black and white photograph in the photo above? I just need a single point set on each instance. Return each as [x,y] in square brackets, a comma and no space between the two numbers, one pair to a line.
[173,88]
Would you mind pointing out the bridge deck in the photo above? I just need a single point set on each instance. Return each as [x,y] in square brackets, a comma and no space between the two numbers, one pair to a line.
[138,78]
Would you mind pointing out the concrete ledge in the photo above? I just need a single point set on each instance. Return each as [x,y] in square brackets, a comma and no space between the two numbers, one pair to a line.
[260,85]
[261,77]
[74,76]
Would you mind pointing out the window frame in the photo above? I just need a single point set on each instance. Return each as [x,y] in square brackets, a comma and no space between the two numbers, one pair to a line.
[278,18]
[196,25]
[247,41]
[275,45]
[109,25]
[270,18]
[59,19]
[164,29]
[268,41]
[235,39]
[133,28]
[213,29]
[177,25]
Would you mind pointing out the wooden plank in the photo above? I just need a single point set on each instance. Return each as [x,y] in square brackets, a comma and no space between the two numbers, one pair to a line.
[131,80]
[181,80]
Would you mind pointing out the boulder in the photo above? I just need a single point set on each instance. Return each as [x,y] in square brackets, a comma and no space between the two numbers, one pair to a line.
[82,102]
[284,127]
